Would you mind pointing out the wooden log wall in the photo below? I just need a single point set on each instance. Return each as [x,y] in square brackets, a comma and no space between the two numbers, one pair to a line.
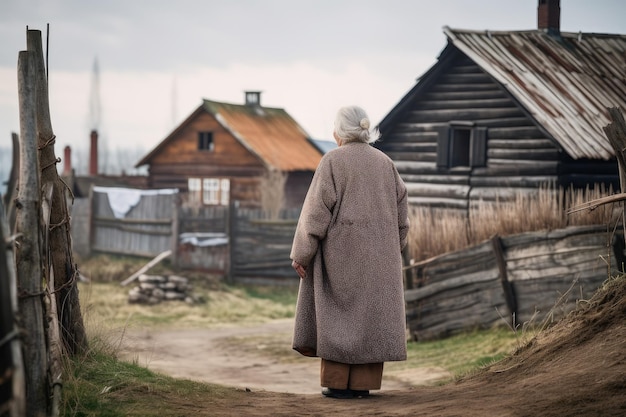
[519,156]
[535,277]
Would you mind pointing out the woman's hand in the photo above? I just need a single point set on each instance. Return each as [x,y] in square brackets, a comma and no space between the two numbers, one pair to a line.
[299,269]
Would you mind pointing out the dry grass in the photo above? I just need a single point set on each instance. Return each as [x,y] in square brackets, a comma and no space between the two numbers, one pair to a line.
[437,231]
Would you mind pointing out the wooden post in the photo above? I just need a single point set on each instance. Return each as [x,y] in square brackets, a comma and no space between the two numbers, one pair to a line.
[12,183]
[507,287]
[11,362]
[616,133]
[231,232]
[176,201]
[28,252]
[146,267]
[55,348]
[60,243]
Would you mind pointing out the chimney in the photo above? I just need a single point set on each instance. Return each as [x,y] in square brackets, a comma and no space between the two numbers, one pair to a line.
[93,154]
[67,161]
[253,98]
[549,16]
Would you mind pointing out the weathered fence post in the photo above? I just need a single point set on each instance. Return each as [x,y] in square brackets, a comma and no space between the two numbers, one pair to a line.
[12,182]
[11,363]
[28,251]
[616,133]
[176,202]
[507,287]
[231,232]
[60,243]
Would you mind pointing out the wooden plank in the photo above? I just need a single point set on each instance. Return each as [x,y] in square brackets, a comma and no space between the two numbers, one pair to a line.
[413,156]
[146,267]
[520,133]
[524,181]
[438,202]
[521,154]
[438,190]
[519,143]
[461,114]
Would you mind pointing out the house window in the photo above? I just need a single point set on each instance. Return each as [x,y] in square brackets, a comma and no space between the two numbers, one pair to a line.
[205,141]
[462,145]
[194,186]
[224,191]
[209,191]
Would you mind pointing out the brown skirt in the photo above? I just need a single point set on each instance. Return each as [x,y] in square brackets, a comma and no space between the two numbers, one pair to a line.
[346,376]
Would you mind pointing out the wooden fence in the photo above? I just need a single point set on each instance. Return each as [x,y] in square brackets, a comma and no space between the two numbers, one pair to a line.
[131,222]
[203,238]
[261,247]
[526,278]
[239,243]
[11,368]
[518,279]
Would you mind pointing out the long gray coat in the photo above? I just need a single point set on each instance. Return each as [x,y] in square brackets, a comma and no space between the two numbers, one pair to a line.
[350,234]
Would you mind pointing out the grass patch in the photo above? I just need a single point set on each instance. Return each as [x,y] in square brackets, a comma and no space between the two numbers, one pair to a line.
[100,385]
[461,353]
[106,304]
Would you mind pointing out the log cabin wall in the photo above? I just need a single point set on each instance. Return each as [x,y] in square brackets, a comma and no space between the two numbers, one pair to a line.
[181,159]
[505,151]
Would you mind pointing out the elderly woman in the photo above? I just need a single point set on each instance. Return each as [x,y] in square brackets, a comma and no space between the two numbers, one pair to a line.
[347,252]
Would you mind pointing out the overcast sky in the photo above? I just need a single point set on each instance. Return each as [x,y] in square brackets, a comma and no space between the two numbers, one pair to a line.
[158,59]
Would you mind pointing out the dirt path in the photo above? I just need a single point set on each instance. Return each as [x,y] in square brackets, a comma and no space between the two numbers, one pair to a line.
[254,357]
[576,368]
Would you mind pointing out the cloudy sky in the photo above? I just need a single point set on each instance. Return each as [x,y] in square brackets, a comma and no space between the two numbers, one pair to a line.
[157,59]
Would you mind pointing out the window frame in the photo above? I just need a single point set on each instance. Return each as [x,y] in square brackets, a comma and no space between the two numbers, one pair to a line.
[476,148]
[205,141]
[209,191]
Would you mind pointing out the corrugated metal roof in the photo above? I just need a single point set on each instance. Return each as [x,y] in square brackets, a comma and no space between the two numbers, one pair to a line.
[269,133]
[565,82]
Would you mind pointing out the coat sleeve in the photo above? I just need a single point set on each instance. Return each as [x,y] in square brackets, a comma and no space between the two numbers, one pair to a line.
[315,216]
[403,210]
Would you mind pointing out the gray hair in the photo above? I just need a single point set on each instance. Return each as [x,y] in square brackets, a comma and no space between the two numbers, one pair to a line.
[353,125]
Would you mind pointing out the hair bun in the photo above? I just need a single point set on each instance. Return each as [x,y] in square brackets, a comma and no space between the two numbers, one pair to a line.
[365,123]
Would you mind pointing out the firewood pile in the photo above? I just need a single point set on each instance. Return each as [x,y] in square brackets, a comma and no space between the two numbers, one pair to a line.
[153,289]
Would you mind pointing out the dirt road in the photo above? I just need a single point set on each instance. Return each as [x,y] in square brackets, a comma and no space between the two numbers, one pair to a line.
[255,357]
[575,368]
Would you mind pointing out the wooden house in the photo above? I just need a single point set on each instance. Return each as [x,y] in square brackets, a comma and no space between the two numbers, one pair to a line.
[508,111]
[221,152]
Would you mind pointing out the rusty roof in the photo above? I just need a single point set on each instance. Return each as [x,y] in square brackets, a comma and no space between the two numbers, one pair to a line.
[269,133]
[566,82]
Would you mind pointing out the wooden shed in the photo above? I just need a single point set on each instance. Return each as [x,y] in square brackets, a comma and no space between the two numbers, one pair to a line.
[221,152]
[506,112]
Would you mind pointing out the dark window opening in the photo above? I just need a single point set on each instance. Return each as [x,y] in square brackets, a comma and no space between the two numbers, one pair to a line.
[205,141]
[460,147]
